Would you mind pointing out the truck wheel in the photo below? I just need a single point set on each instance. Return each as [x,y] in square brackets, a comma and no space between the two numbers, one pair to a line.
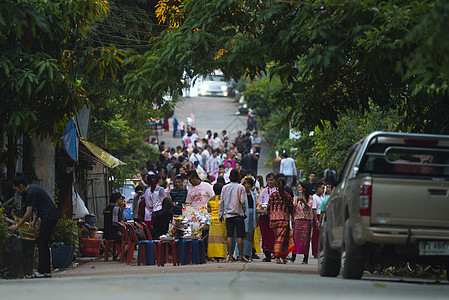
[353,263]
[328,259]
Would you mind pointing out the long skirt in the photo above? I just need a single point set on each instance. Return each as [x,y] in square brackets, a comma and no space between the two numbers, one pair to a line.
[301,235]
[283,244]
[217,239]
[267,233]
[257,240]
[249,233]
[315,238]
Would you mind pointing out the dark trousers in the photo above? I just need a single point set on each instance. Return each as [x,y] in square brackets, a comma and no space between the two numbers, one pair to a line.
[45,231]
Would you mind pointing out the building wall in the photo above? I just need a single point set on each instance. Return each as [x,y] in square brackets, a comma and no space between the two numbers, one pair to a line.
[43,153]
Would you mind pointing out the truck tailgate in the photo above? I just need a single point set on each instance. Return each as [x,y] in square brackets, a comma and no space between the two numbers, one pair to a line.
[410,202]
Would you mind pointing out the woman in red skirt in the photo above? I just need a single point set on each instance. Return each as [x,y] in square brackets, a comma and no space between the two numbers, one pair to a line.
[303,223]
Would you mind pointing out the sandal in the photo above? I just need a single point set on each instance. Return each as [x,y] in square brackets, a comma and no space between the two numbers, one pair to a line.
[243,259]
[278,261]
[266,260]
[39,275]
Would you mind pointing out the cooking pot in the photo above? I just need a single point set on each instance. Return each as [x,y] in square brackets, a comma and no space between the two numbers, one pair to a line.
[96,235]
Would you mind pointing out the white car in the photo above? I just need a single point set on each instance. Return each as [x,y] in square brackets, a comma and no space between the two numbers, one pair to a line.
[214,85]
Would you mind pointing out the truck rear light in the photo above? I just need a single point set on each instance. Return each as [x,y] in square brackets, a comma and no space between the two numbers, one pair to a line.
[412,141]
[365,200]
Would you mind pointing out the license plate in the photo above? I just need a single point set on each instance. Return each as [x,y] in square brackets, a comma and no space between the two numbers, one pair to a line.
[434,248]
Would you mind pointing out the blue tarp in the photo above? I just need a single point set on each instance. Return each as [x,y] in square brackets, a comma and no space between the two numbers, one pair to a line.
[70,140]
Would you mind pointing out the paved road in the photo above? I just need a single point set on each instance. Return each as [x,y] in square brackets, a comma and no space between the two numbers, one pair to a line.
[95,279]
[256,280]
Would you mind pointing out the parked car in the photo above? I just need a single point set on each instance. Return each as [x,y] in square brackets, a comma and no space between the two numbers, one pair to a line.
[215,85]
[389,205]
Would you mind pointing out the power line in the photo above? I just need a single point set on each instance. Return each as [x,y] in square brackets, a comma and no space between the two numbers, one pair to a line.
[115,43]
[127,29]
[140,22]
[123,38]
[135,12]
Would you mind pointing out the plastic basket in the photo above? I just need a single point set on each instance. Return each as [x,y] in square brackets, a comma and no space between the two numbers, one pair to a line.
[90,247]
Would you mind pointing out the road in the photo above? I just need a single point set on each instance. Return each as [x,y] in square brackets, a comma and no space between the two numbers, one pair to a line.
[215,114]
[95,279]
[255,280]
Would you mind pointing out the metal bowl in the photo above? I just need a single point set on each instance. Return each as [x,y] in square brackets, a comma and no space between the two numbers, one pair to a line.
[96,235]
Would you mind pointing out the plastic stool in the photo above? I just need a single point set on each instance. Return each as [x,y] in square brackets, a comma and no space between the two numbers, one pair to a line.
[186,251]
[147,252]
[164,245]
[108,243]
[198,256]
[200,251]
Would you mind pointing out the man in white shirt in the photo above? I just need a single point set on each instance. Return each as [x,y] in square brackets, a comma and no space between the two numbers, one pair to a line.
[318,197]
[288,168]
[194,138]
[213,163]
[195,156]
[205,156]
[199,192]
[232,208]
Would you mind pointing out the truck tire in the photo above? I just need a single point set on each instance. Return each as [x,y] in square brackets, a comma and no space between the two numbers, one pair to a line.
[353,263]
[328,259]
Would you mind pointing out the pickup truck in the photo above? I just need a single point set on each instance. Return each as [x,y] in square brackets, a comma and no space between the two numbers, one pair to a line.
[389,205]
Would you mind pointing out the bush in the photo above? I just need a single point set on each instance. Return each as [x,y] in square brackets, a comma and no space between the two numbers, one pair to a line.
[4,231]
[66,231]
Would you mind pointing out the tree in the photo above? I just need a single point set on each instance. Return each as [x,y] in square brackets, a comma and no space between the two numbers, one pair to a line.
[334,55]
[327,148]
[38,90]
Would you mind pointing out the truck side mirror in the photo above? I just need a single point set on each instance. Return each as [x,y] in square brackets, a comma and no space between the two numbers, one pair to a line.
[330,176]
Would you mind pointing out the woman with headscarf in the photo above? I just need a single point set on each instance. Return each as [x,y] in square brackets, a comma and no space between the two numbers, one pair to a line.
[280,208]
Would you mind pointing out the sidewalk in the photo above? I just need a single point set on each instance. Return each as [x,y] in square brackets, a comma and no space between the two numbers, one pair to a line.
[89,267]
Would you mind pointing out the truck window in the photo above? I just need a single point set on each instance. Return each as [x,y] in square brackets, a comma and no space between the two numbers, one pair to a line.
[407,160]
[348,162]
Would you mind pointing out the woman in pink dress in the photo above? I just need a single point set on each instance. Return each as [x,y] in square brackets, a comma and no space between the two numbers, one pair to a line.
[303,223]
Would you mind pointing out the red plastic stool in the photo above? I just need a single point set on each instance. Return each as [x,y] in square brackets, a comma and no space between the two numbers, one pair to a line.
[113,245]
[163,249]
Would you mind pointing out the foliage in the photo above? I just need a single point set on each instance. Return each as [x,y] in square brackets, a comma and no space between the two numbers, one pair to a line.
[38,89]
[327,147]
[4,231]
[261,94]
[66,231]
[332,55]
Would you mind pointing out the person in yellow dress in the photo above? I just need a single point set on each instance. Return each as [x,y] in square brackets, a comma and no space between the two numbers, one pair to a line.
[217,231]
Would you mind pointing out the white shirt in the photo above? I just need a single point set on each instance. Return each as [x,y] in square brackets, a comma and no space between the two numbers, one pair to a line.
[288,167]
[199,194]
[213,163]
[216,143]
[256,141]
[204,158]
[196,157]
[317,203]
[194,137]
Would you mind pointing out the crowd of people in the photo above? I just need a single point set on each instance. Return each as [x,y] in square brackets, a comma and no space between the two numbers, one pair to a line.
[280,219]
